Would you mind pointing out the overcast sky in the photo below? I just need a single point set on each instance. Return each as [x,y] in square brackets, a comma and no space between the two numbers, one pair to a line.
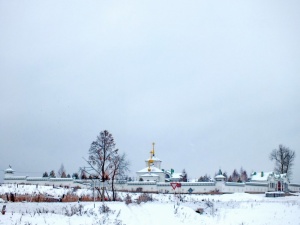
[215,84]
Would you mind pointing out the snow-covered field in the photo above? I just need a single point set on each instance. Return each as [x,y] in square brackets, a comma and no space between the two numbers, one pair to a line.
[235,209]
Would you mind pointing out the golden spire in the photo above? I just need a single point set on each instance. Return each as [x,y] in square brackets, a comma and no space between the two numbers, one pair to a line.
[151,154]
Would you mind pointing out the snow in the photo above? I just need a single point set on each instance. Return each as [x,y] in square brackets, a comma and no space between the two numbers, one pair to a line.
[258,176]
[153,169]
[177,175]
[9,170]
[226,209]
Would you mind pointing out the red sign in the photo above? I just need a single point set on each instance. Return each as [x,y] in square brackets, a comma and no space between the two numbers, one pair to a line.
[175,185]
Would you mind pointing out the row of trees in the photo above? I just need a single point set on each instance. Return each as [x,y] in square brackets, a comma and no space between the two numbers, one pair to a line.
[61,173]
[236,176]
[53,175]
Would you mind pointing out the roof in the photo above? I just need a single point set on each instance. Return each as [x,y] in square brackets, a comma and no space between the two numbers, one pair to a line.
[263,176]
[176,175]
[220,176]
[153,169]
[260,176]
[277,176]
[154,158]
[9,170]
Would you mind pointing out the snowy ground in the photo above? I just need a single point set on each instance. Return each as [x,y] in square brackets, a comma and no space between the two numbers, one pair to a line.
[235,209]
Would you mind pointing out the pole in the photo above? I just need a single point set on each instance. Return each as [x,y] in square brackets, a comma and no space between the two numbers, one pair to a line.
[102,191]
[94,192]
[174,197]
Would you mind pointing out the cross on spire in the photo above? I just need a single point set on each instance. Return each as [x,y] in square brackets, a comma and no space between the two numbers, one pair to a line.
[153,152]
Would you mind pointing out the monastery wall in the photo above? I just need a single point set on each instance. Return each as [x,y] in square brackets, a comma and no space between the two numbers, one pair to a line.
[199,187]
[159,187]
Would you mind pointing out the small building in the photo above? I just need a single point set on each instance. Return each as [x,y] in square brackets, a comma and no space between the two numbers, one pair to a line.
[276,182]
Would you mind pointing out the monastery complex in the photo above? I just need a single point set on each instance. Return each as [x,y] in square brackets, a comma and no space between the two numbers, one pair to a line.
[154,179]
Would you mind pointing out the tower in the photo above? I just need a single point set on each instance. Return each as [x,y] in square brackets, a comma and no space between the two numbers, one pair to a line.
[152,172]
[153,160]
[9,172]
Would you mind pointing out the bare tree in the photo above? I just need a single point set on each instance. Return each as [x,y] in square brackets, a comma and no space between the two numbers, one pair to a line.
[284,160]
[83,175]
[235,176]
[101,155]
[61,171]
[120,165]
[204,178]
[243,175]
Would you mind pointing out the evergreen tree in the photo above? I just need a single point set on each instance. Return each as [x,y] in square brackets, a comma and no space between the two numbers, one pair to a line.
[200,179]
[52,174]
[207,178]
[45,174]
[63,175]
[75,176]
[226,176]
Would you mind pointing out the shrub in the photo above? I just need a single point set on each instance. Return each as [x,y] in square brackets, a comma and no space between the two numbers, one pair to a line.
[128,199]
[73,210]
[104,209]
[144,198]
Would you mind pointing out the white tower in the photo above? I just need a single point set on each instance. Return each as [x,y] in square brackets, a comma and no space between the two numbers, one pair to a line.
[9,172]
